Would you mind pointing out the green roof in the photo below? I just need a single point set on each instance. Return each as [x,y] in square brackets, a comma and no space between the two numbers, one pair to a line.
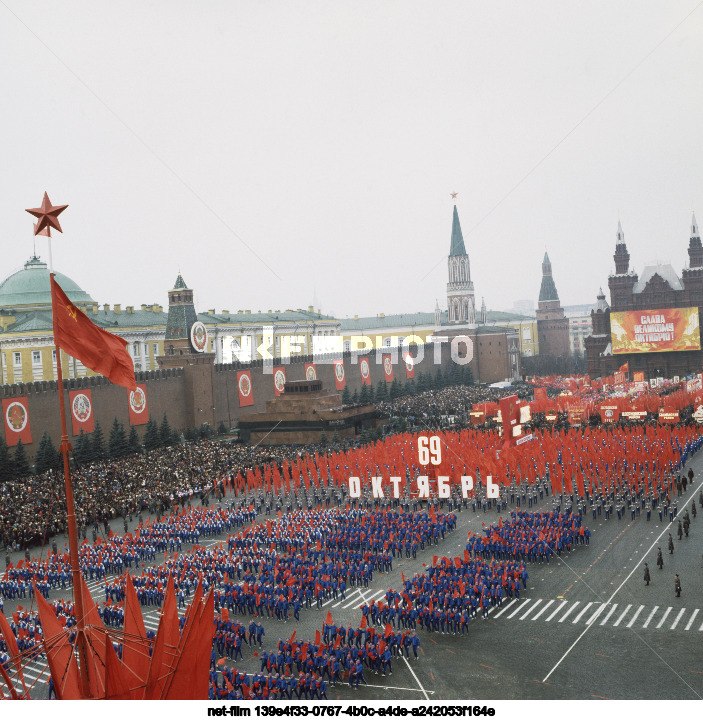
[30,287]
[400,320]
[547,291]
[457,247]
[180,283]
[290,316]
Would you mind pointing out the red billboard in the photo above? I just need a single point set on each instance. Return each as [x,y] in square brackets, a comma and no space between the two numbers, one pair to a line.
[657,330]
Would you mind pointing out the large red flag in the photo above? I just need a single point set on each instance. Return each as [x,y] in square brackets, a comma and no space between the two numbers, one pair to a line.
[339,379]
[97,349]
[81,405]
[16,412]
[246,396]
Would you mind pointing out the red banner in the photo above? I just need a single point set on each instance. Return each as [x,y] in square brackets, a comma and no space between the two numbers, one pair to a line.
[638,376]
[16,413]
[409,366]
[576,416]
[660,329]
[609,414]
[365,370]
[388,368]
[619,378]
[477,417]
[138,408]
[279,381]
[246,393]
[310,372]
[81,405]
[664,416]
[339,379]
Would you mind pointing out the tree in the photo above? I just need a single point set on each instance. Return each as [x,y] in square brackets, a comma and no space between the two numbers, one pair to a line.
[117,442]
[381,391]
[421,382]
[364,395]
[20,466]
[371,394]
[323,439]
[133,443]
[151,435]
[355,397]
[81,449]
[221,429]
[165,435]
[394,390]
[346,397]
[46,457]
[5,461]
[439,379]
[97,443]
[335,437]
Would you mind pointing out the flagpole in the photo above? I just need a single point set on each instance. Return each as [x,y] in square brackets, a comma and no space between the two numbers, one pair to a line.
[71,517]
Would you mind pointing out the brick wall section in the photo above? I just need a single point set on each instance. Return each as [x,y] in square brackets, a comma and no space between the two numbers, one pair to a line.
[181,393]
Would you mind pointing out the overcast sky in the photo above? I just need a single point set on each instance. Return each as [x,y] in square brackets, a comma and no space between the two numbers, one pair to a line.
[272,149]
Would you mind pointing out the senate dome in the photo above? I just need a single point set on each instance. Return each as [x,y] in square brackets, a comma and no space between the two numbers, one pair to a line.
[29,289]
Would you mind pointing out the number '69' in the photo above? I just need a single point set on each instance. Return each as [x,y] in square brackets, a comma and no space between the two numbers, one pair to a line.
[429,450]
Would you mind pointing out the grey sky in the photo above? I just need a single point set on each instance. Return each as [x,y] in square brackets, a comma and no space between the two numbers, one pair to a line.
[328,136]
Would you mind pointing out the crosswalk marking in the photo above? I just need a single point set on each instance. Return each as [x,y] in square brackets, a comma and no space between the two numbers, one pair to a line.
[543,609]
[554,613]
[503,610]
[650,617]
[596,614]
[623,614]
[571,608]
[666,613]
[610,613]
[676,620]
[531,608]
[583,610]
[588,612]
[519,608]
[690,620]
[634,618]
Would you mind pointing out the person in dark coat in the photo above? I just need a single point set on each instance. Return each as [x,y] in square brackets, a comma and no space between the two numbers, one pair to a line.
[679,530]
[660,559]
[677,586]
[671,544]
[647,577]
[693,507]
[690,475]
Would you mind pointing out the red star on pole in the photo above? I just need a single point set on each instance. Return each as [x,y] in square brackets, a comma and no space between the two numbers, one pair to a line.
[47,215]
[46,231]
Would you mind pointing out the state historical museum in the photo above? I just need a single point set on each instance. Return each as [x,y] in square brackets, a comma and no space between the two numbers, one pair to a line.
[658,288]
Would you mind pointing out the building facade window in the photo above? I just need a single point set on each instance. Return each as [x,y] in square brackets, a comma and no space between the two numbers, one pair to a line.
[17,358]
[36,357]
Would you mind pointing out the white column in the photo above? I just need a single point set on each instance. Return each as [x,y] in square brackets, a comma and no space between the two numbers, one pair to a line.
[144,350]
[218,348]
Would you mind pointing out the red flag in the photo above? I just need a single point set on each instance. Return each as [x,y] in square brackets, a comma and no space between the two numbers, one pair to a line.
[246,396]
[279,380]
[97,349]
[339,379]
[409,366]
[388,631]
[388,368]
[81,405]
[310,372]
[328,619]
[16,412]
[138,406]
[317,638]
[363,622]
